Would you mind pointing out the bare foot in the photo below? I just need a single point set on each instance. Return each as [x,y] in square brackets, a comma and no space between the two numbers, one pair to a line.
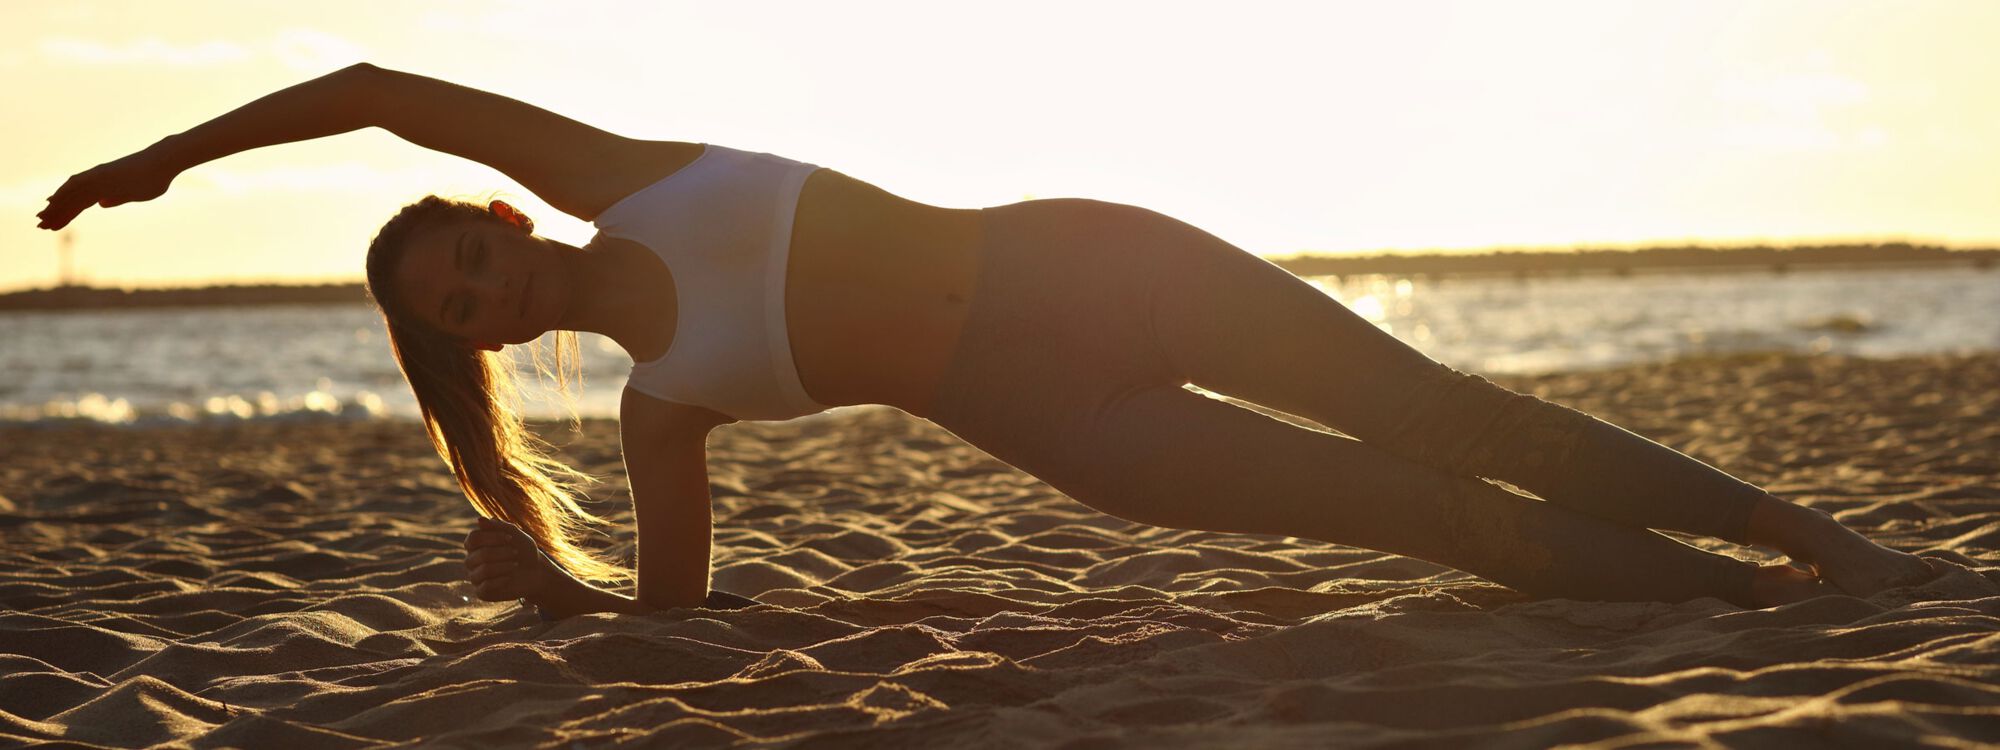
[1773,585]
[1858,566]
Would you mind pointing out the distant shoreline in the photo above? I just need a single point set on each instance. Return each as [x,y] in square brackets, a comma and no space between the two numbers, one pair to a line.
[1620,262]
[1515,263]
[234,295]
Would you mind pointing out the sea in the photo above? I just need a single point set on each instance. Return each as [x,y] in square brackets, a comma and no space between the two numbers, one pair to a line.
[149,366]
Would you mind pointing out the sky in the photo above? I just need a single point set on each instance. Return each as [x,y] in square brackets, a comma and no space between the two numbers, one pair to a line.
[1284,128]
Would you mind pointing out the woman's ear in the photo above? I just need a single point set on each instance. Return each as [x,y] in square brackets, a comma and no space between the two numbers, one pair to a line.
[512,215]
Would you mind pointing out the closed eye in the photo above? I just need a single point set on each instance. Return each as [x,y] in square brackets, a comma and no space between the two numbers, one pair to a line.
[478,261]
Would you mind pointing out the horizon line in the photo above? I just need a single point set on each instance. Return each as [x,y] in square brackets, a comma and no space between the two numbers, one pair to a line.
[1301,255]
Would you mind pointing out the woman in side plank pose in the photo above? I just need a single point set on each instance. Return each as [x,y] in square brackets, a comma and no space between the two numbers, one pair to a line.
[1056,335]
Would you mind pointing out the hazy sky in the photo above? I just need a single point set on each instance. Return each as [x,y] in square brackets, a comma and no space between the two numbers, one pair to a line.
[1281,127]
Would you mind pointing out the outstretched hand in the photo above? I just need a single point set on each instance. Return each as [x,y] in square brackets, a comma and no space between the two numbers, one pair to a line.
[141,176]
[502,562]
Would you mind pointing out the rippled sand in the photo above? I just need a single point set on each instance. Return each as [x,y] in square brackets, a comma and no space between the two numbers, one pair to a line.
[298,586]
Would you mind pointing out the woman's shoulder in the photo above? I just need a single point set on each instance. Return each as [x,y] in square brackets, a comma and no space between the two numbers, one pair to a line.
[652,161]
[643,415]
[634,165]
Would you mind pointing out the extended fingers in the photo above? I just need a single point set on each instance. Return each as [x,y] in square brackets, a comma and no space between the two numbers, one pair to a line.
[65,203]
[56,217]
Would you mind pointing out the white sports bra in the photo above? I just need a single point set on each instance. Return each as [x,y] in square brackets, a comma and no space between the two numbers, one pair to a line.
[723,226]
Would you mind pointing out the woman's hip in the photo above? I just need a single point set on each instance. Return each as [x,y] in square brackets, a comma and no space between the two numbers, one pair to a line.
[1064,296]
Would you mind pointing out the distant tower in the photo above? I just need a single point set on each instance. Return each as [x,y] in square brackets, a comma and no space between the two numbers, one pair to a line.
[66,247]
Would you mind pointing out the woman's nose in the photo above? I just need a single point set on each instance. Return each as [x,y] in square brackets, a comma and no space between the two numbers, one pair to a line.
[492,283]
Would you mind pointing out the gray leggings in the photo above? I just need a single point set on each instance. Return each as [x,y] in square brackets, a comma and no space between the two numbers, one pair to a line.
[1089,317]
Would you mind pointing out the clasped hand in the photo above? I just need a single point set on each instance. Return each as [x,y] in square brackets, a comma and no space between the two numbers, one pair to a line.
[502,562]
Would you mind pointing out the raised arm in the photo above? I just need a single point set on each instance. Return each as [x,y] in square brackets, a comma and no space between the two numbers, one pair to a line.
[560,160]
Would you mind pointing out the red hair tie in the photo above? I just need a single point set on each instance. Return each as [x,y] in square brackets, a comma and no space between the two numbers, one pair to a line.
[511,215]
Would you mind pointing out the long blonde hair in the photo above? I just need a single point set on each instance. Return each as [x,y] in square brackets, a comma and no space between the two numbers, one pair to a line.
[467,397]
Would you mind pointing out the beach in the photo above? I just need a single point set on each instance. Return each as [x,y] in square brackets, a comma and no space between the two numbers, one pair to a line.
[299,584]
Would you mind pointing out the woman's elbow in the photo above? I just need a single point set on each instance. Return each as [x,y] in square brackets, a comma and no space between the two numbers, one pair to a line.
[361,71]
[360,88]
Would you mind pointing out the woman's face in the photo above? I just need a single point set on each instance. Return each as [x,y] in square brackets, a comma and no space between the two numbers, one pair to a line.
[482,281]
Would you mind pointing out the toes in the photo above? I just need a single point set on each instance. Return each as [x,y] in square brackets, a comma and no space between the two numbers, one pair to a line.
[1939,567]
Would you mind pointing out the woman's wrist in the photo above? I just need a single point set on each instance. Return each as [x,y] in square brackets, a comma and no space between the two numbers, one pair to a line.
[171,154]
[572,597]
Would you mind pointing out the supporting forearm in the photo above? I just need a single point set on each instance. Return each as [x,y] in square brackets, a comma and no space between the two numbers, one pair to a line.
[331,104]
[582,599]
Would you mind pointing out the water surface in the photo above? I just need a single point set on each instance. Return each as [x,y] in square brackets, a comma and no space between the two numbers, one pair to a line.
[179,364]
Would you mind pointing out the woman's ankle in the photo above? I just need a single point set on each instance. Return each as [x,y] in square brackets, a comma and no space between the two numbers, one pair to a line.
[1777,523]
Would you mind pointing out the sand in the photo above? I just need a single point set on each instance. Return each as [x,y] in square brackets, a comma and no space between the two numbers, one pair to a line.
[299,586]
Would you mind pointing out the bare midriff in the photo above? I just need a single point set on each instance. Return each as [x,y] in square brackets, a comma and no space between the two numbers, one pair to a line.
[876,292]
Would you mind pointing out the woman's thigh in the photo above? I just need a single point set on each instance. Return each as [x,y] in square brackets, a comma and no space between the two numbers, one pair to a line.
[1234,323]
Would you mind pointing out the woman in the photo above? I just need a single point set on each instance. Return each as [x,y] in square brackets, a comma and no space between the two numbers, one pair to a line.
[1056,335]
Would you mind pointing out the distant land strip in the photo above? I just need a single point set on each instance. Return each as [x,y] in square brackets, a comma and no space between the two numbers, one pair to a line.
[1539,262]
[1432,264]
[90,297]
